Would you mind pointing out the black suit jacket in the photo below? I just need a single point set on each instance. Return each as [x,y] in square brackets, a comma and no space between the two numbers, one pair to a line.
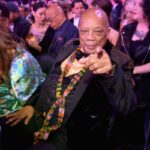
[71,20]
[94,100]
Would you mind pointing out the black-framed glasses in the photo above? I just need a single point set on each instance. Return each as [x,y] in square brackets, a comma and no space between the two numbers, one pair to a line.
[52,19]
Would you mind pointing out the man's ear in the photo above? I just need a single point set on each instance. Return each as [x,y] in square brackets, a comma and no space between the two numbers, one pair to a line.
[108,33]
[72,10]
[33,13]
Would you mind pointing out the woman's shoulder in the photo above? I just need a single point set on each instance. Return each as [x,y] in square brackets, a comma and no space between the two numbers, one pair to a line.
[25,74]
[24,62]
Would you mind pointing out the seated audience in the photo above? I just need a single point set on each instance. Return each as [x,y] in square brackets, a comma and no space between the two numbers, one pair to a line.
[88,85]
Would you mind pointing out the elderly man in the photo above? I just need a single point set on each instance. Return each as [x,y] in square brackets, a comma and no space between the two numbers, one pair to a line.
[86,87]
[58,21]
[64,31]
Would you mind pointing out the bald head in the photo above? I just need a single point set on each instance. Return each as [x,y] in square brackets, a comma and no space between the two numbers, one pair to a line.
[55,15]
[55,8]
[93,29]
[96,15]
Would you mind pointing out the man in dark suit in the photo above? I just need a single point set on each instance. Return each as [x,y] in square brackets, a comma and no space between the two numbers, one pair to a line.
[84,91]
[60,31]
[78,7]
[19,25]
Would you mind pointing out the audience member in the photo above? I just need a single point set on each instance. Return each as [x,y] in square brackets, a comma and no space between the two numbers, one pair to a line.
[78,7]
[87,85]
[64,31]
[19,25]
[20,75]
[38,28]
[135,42]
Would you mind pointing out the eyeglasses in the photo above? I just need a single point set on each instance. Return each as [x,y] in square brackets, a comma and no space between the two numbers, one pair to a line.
[52,19]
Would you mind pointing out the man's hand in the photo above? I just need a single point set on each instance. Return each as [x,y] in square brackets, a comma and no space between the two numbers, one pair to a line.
[98,63]
[25,113]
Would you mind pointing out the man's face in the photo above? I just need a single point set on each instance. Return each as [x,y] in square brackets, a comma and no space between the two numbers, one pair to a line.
[22,11]
[78,9]
[53,18]
[93,34]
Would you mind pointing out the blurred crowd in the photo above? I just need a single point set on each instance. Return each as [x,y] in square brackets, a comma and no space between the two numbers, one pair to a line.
[40,29]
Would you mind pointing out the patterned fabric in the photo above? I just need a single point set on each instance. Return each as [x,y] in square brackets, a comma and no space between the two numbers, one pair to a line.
[59,103]
[25,76]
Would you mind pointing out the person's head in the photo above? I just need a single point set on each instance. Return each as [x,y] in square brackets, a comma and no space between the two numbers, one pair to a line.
[24,11]
[55,16]
[93,30]
[105,5]
[14,11]
[128,7]
[78,7]
[7,47]
[4,16]
[141,10]
[39,12]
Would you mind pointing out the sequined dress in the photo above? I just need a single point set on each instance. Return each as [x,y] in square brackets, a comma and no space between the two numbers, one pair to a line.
[25,76]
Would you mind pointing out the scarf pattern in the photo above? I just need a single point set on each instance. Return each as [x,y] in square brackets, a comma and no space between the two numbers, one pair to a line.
[59,103]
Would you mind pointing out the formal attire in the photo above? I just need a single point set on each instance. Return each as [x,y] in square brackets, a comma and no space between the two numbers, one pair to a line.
[139,51]
[63,34]
[89,108]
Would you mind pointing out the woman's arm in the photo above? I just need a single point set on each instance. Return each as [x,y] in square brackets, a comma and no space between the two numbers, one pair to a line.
[25,113]
[142,69]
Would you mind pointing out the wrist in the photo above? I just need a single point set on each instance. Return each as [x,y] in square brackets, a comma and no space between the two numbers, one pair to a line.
[112,72]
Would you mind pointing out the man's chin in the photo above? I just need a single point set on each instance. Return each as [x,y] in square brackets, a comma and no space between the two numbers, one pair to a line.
[90,51]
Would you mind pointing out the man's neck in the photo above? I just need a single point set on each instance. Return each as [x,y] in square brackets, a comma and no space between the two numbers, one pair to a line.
[62,22]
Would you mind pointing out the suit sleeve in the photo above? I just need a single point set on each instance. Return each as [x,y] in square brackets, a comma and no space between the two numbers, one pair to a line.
[119,88]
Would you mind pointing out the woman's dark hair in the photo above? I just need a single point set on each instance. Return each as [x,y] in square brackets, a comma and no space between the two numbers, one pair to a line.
[146,8]
[4,10]
[38,5]
[7,45]
[79,1]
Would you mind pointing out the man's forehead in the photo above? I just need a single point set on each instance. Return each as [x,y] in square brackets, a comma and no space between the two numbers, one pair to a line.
[50,11]
[94,17]
[78,4]
[98,13]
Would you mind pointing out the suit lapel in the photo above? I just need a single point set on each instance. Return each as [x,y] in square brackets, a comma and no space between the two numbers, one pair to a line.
[84,82]
[81,87]
[69,47]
